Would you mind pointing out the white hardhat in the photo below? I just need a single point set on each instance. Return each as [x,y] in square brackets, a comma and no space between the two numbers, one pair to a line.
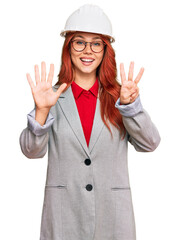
[89,18]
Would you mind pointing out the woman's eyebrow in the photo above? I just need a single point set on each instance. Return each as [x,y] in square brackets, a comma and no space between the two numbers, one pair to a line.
[79,36]
[96,38]
[84,38]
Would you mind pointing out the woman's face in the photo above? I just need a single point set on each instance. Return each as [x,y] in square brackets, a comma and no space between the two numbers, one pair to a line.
[87,61]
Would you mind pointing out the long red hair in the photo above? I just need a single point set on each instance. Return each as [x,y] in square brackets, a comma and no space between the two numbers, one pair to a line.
[107,75]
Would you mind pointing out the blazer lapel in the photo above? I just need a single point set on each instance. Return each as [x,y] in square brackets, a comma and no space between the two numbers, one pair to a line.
[68,105]
[98,125]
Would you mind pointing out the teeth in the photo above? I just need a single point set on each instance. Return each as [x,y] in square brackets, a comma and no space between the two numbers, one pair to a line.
[86,60]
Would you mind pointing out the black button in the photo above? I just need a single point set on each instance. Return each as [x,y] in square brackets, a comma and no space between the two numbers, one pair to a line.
[87,161]
[89,187]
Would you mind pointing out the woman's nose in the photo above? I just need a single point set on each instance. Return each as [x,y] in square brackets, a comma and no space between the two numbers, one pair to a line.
[88,47]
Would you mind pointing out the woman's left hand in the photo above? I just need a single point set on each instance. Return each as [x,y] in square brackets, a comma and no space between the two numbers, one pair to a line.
[129,89]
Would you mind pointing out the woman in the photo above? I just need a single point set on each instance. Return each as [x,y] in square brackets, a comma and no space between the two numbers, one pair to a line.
[86,121]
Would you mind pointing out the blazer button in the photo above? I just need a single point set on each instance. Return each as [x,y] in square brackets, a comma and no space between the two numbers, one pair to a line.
[87,161]
[89,187]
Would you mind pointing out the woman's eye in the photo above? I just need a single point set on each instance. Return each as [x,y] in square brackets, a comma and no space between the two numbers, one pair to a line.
[79,42]
[97,44]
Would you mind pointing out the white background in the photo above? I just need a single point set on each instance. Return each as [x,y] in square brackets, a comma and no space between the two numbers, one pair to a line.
[146,32]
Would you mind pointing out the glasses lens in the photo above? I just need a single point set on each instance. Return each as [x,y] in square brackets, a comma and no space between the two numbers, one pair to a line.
[97,46]
[78,45]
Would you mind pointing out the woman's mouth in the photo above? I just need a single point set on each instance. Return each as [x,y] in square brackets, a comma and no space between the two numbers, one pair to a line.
[87,61]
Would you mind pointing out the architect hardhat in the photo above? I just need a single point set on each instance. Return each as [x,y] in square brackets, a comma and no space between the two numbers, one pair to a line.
[89,18]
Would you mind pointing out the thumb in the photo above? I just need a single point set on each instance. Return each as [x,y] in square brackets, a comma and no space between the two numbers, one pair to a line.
[61,88]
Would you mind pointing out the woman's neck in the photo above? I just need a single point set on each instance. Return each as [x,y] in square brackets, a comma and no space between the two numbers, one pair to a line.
[85,81]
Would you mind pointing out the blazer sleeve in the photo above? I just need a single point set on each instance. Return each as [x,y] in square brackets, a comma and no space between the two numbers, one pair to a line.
[34,138]
[142,133]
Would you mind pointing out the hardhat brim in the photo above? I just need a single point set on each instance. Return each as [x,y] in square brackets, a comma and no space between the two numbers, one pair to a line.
[64,32]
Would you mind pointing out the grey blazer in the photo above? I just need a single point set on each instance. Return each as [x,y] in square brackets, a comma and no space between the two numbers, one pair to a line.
[87,194]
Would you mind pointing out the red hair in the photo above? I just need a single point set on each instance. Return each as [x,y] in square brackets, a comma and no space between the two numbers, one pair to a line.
[107,76]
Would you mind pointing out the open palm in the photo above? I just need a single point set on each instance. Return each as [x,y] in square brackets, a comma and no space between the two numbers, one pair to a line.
[43,94]
[129,89]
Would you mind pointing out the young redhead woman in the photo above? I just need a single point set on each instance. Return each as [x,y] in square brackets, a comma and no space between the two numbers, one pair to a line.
[86,121]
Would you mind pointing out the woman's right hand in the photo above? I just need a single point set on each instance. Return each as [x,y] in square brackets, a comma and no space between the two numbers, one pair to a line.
[43,94]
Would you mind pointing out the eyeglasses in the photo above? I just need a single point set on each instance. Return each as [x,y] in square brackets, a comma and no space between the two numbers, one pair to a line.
[80,45]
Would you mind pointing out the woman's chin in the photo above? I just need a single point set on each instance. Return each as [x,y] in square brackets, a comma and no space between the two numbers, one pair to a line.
[87,70]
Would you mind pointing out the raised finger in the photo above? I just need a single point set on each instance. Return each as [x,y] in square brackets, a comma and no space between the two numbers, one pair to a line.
[60,89]
[43,72]
[139,75]
[131,69]
[122,73]
[37,77]
[51,73]
[30,81]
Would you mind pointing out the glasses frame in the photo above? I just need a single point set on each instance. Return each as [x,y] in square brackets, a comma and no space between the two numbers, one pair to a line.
[86,45]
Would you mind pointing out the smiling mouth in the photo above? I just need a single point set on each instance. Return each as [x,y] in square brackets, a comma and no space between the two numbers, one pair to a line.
[86,60]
